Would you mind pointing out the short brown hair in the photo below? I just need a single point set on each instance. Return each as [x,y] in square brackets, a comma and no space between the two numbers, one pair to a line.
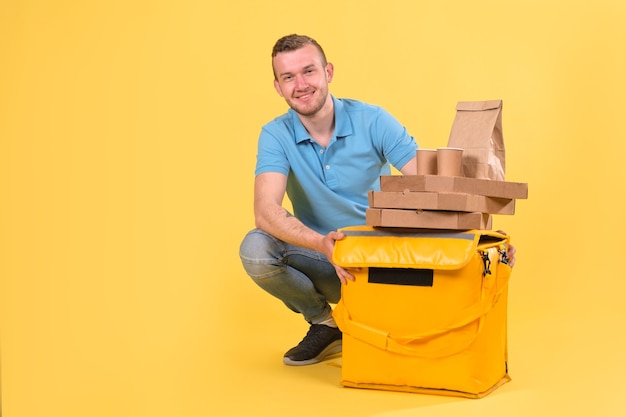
[293,42]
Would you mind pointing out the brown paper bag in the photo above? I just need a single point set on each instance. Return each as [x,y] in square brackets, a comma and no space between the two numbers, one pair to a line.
[477,128]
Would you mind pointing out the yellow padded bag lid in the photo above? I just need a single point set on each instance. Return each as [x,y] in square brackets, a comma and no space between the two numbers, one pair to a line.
[365,246]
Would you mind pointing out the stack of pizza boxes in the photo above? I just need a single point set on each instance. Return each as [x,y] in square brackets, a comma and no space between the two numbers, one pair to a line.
[461,199]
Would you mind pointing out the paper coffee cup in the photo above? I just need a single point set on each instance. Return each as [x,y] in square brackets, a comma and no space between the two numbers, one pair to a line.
[426,162]
[450,162]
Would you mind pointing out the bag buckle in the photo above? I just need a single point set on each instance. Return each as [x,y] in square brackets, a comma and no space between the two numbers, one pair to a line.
[504,257]
[486,264]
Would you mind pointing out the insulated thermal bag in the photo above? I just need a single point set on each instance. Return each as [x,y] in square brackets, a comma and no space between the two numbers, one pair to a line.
[427,312]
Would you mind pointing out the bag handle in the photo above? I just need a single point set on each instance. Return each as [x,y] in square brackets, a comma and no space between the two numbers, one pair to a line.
[430,344]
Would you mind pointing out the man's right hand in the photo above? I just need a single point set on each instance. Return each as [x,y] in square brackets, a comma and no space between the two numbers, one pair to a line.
[328,245]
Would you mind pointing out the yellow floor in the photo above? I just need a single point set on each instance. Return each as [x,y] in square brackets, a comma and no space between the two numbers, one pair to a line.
[559,366]
[228,362]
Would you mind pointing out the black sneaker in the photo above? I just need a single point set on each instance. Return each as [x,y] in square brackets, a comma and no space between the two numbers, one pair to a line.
[320,341]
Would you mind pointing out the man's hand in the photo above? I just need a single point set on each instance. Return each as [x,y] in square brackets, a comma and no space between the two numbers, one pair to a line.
[510,252]
[328,244]
[511,255]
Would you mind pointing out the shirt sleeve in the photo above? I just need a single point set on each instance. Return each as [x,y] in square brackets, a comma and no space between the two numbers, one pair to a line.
[271,156]
[396,144]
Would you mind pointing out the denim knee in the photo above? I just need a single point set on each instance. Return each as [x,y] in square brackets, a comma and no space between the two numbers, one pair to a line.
[260,254]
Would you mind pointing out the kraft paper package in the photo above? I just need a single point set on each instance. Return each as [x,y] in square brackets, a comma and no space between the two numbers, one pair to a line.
[477,129]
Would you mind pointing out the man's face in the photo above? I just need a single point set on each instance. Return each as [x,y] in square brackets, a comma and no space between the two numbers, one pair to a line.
[302,79]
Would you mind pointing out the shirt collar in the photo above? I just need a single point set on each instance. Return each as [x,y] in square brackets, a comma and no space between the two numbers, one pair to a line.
[343,127]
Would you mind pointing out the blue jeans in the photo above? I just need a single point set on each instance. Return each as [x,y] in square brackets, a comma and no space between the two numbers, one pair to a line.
[301,278]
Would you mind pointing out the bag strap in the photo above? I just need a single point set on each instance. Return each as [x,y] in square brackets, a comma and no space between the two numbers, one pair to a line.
[420,344]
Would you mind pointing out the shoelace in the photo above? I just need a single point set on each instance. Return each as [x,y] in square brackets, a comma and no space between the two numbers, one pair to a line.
[314,337]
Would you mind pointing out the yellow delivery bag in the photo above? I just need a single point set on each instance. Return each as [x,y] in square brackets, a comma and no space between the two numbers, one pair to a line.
[427,312]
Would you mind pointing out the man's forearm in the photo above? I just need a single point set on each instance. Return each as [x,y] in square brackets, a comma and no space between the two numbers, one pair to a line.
[283,225]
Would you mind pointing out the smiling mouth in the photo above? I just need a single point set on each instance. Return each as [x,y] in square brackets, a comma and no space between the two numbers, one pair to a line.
[305,97]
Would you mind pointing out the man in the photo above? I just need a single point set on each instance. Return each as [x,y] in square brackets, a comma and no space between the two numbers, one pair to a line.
[326,154]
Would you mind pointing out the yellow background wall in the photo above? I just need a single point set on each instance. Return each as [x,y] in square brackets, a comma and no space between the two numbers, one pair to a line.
[127,147]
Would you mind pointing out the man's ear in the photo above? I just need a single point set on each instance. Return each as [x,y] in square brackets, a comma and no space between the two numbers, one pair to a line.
[330,71]
[277,88]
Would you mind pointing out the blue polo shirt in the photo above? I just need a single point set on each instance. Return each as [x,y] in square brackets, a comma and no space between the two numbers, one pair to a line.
[328,186]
